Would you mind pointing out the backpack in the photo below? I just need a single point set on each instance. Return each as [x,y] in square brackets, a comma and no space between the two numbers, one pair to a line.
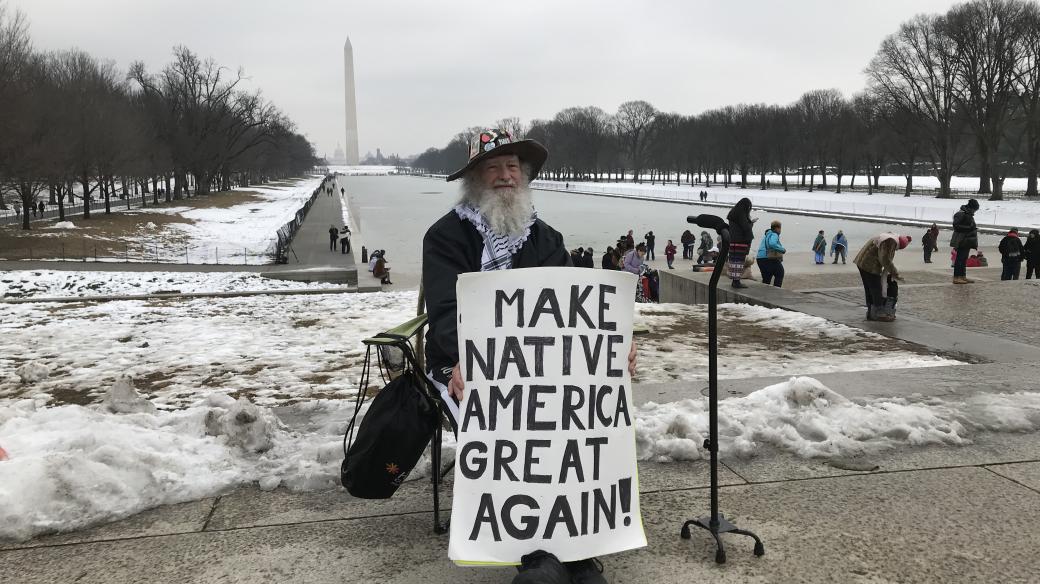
[390,440]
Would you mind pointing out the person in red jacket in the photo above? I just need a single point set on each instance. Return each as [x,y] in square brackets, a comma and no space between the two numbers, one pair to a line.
[669,254]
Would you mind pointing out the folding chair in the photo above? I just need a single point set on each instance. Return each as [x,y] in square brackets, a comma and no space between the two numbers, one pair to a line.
[401,338]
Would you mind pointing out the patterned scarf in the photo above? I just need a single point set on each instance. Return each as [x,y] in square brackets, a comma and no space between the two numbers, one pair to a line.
[498,249]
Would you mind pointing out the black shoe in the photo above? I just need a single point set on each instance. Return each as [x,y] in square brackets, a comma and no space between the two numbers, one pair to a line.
[737,284]
[541,567]
[588,571]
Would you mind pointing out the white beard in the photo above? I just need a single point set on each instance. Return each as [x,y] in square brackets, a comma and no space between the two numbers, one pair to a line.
[506,211]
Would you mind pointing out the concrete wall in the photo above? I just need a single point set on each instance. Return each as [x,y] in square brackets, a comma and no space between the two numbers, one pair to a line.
[692,288]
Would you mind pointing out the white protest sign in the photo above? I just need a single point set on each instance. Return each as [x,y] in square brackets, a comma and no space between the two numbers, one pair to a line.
[546,455]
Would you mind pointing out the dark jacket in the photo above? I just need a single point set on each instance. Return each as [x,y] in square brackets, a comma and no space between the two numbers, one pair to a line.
[965,233]
[452,246]
[1011,247]
[650,239]
[608,262]
[587,261]
[1031,248]
[740,225]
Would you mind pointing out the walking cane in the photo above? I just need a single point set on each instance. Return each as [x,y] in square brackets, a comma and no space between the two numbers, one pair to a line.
[715,523]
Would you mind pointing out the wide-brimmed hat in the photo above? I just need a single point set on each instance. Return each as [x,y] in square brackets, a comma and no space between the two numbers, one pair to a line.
[498,142]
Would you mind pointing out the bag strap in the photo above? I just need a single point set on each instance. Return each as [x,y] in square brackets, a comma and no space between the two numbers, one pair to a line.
[359,401]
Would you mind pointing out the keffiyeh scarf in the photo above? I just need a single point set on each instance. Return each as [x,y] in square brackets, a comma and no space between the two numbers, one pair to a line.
[498,249]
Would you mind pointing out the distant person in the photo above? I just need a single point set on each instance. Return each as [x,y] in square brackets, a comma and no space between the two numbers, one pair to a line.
[704,248]
[381,270]
[372,260]
[342,192]
[586,258]
[650,239]
[43,207]
[965,238]
[770,256]
[875,261]
[930,242]
[607,262]
[839,246]
[669,254]
[1010,248]
[33,207]
[333,236]
[1031,251]
[819,247]
[634,259]
[344,240]
[741,233]
[630,242]
[576,255]
[981,259]
[687,240]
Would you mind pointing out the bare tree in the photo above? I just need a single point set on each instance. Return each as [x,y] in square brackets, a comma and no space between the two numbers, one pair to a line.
[917,71]
[634,120]
[987,44]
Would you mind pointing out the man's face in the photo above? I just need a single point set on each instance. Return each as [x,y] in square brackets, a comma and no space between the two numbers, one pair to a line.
[501,173]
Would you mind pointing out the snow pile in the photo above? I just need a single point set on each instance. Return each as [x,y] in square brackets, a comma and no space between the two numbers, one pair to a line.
[124,399]
[64,225]
[805,418]
[32,372]
[72,466]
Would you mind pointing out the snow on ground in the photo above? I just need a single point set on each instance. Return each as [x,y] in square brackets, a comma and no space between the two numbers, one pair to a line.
[282,349]
[273,349]
[805,418]
[109,409]
[755,341]
[233,234]
[1022,213]
[61,283]
[73,466]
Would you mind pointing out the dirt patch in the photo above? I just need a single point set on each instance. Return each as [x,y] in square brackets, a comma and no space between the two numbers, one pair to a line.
[101,236]
[305,323]
[693,329]
[117,235]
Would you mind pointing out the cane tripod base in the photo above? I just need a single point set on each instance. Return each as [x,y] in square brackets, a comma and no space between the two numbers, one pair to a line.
[724,526]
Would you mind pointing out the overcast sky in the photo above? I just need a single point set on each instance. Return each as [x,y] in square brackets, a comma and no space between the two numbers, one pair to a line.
[425,69]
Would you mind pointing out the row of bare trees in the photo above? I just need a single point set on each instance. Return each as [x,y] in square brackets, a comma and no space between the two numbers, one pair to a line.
[946,94]
[75,125]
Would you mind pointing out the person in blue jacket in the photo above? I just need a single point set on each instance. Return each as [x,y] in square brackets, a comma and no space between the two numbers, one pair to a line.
[770,256]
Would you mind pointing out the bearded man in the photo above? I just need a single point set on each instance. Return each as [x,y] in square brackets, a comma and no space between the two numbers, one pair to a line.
[493,227]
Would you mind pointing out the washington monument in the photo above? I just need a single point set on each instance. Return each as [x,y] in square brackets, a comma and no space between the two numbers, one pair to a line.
[351,145]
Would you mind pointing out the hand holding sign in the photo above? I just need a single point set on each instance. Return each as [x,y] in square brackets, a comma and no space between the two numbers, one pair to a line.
[546,450]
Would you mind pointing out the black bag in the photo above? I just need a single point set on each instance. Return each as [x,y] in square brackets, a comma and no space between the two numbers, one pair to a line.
[390,439]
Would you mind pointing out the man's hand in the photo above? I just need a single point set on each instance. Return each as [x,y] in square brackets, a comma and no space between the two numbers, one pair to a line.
[632,360]
[455,386]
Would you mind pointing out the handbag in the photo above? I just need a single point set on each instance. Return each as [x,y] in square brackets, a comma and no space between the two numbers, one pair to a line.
[773,254]
[390,440]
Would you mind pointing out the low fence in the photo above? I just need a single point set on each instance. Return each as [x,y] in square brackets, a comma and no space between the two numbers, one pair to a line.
[286,232]
[50,210]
